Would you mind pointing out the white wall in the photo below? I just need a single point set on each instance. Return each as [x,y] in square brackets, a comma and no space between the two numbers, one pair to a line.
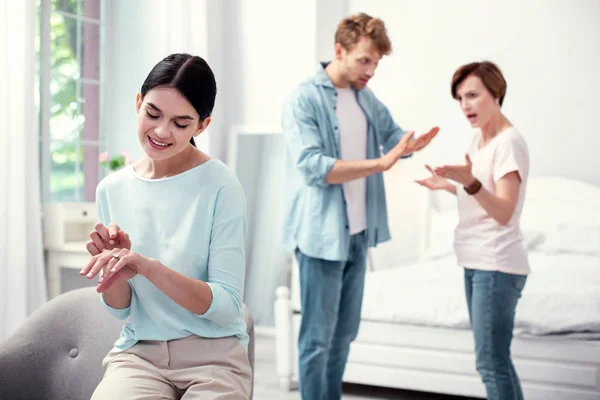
[276,53]
[548,52]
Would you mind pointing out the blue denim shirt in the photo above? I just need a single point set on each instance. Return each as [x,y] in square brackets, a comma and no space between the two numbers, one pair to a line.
[316,220]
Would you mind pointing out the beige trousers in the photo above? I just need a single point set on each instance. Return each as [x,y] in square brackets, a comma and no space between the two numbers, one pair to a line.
[187,369]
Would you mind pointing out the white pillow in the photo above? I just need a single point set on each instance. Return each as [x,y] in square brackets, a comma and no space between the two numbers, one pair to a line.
[532,239]
[573,239]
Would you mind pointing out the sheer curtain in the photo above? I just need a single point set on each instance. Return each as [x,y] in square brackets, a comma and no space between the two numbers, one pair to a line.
[22,281]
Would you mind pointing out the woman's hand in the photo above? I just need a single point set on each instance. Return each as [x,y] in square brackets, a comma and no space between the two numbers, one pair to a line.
[458,173]
[435,182]
[107,238]
[116,264]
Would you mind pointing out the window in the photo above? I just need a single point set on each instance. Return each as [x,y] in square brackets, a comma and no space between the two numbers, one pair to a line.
[70,55]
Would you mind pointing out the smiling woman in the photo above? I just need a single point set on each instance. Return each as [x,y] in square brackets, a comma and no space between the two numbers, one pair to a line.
[184,80]
[169,249]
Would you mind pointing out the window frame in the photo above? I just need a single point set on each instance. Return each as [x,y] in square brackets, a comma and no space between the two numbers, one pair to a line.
[45,98]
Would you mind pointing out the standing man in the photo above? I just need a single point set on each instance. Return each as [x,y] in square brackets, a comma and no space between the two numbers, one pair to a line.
[334,129]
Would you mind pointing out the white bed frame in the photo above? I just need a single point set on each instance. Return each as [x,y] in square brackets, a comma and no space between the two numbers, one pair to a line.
[441,360]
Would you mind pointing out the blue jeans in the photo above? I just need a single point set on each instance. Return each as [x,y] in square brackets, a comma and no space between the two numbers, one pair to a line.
[492,298]
[331,295]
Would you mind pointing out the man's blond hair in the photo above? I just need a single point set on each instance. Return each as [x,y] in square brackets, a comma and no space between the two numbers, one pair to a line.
[352,28]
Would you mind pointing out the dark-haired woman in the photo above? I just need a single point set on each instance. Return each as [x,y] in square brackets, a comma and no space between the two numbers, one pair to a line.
[170,246]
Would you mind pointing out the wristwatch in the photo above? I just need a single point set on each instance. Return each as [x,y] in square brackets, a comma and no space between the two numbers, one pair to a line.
[473,187]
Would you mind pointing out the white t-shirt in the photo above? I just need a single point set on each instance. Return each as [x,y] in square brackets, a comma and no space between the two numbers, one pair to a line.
[480,241]
[353,146]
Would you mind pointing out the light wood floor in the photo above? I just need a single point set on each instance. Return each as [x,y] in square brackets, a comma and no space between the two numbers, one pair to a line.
[267,384]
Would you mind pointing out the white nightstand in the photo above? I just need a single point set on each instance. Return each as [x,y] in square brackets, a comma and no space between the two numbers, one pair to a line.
[66,231]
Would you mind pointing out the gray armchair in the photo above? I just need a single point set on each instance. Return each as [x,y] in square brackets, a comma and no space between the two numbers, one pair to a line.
[57,353]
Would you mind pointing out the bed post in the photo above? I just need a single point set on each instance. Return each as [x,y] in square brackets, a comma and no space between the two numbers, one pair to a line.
[426,209]
[283,337]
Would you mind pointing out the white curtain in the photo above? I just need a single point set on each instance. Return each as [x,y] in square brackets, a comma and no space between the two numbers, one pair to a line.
[22,281]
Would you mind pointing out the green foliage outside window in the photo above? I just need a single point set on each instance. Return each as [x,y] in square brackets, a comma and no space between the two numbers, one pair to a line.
[66,117]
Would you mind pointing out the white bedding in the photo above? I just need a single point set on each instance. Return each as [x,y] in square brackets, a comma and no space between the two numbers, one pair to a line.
[562,295]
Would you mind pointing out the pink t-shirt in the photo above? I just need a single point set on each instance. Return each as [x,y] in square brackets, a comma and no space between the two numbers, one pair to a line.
[480,241]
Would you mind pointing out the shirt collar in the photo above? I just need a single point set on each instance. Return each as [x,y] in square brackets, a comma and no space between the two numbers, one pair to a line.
[321,77]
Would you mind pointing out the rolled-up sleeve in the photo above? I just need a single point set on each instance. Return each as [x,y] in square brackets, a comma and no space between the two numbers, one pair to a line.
[226,258]
[120,313]
[304,142]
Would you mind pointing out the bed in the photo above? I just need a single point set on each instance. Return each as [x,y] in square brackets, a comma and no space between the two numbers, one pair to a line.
[415,334]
